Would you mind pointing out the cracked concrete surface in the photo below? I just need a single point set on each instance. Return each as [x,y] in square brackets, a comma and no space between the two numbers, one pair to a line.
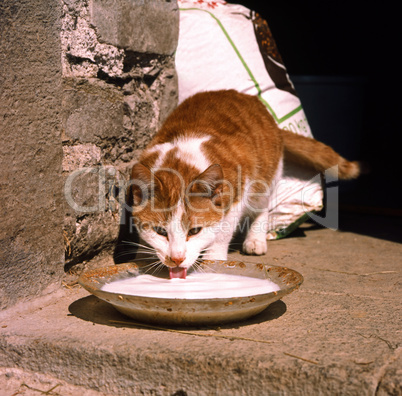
[340,333]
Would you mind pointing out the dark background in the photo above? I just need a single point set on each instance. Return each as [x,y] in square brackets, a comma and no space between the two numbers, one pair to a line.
[342,59]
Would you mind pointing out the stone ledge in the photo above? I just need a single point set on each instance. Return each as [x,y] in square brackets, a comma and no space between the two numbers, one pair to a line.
[337,335]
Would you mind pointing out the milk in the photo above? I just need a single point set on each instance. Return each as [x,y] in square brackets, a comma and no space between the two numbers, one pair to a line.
[195,286]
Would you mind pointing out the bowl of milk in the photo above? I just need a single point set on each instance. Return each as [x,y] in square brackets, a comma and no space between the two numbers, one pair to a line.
[217,292]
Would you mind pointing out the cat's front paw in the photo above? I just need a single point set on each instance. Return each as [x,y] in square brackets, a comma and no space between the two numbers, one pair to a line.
[255,246]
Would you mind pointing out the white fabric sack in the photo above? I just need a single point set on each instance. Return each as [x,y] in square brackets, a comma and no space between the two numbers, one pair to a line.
[227,46]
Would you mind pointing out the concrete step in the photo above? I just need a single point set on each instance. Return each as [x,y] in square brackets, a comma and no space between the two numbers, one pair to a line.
[14,381]
[338,334]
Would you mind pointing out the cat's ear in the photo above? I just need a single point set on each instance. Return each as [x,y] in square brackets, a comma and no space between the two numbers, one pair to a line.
[209,183]
[143,184]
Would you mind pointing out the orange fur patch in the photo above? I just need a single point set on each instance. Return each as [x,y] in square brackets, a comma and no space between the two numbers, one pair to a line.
[243,139]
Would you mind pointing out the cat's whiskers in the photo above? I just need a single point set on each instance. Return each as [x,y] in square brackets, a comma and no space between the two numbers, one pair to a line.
[198,268]
[198,265]
[131,252]
[151,265]
[134,249]
[157,266]
[140,245]
[146,258]
[146,252]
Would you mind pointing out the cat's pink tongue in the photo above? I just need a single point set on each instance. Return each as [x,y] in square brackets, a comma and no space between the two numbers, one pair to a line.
[178,272]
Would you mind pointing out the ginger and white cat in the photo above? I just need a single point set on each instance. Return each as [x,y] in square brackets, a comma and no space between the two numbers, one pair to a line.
[213,162]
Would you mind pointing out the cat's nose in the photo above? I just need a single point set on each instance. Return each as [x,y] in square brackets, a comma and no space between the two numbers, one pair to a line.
[177,260]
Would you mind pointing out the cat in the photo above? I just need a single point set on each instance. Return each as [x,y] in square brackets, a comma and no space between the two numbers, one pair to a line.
[213,162]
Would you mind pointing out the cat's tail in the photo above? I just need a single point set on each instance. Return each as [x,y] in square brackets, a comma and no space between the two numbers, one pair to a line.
[314,154]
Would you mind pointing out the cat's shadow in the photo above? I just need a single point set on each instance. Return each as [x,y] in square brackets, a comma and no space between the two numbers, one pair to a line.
[94,310]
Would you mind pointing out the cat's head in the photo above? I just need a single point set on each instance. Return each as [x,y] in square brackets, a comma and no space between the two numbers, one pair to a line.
[177,214]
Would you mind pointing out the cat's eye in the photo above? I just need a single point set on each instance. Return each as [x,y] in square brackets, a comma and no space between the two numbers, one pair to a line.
[160,231]
[194,231]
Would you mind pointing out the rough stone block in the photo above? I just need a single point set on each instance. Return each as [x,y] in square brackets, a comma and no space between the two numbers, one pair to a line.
[92,207]
[91,112]
[80,156]
[31,215]
[141,26]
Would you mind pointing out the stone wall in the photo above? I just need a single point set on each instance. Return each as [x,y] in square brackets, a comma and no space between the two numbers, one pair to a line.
[120,83]
[84,86]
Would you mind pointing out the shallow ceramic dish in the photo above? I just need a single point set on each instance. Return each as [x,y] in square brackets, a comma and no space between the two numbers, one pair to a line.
[192,311]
